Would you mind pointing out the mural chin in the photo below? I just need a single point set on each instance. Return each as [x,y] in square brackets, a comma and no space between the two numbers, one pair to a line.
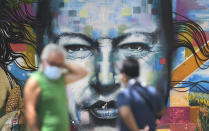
[100,106]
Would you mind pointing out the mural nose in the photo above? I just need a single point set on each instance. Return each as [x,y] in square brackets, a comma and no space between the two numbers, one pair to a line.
[105,73]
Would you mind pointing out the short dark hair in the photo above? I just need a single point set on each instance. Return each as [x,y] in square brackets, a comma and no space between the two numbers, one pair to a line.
[130,67]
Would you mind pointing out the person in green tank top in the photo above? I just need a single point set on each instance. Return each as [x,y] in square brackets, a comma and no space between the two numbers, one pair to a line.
[45,93]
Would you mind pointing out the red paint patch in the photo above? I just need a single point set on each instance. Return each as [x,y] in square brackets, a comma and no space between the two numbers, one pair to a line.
[179,115]
[162,61]
[195,44]
[18,47]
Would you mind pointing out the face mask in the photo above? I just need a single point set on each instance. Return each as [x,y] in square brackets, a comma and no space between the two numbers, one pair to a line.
[52,72]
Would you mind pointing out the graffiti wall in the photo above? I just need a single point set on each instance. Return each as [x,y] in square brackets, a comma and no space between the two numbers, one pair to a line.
[17,59]
[99,35]
[189,102]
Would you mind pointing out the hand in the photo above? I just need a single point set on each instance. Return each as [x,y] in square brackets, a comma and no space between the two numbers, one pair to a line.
[146,128]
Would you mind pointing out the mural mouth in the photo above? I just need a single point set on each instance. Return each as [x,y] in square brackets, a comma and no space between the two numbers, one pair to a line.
[104,110]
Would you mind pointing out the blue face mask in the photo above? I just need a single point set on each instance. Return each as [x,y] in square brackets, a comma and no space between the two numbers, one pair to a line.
[52,72]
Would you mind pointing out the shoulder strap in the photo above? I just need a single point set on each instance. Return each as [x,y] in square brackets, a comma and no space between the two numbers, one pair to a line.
[147,101]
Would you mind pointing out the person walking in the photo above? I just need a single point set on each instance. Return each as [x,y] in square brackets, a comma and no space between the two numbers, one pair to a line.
[45,94]
[137,105]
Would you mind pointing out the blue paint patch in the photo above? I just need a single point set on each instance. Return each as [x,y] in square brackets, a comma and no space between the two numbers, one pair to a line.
[200,83]
[200,16]
[174,5]
[128,18]
[19,73]
[83,20]
[96,34]
[179,58]
[158,66]
[168,103]
[196,77]
[113,33]
[35,6]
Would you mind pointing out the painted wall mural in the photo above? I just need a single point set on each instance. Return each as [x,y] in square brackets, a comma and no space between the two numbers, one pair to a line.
[189,102]
[99,35]
[17,59]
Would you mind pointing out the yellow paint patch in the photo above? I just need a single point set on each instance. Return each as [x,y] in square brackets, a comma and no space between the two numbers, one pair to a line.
[163,130]
[185,36]
[194,110]
[67,1]
[84,13]
[179,99]
[31,34]
[126,12]
[188,52]
[30,54]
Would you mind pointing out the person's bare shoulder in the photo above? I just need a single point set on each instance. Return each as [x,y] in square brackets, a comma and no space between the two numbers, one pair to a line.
[31,88]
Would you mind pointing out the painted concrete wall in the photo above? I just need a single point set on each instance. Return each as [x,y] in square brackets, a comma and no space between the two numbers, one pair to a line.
[19,54]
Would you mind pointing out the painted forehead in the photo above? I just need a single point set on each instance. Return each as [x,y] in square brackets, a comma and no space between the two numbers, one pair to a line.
[109,18]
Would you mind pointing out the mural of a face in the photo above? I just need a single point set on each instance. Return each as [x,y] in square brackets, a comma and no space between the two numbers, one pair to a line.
[99,35]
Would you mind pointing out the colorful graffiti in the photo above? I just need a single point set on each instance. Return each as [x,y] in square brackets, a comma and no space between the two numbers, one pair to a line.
[99,35]
[190,67]
[17,59]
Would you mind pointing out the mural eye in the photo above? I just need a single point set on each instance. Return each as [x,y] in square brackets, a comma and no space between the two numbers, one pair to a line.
[135,49]
[78,51]
[135,46]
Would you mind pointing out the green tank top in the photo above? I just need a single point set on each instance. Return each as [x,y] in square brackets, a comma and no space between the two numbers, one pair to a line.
[52,107]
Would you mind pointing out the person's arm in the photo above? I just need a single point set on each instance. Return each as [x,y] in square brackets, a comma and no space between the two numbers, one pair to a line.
[31,95]
[128,118]
[75,72]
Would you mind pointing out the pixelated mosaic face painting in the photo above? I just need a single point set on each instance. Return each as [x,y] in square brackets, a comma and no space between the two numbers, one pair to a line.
[99,34]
